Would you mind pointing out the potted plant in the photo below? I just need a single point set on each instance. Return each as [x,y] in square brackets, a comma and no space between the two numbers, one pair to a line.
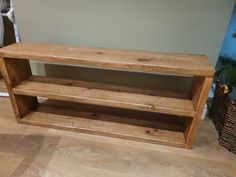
[226,75]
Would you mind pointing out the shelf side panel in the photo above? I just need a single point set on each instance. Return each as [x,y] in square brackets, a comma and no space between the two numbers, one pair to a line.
[200,91]
[14,72]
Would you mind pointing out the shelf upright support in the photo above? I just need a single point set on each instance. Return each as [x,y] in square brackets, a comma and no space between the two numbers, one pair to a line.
[14,72]
[199,94]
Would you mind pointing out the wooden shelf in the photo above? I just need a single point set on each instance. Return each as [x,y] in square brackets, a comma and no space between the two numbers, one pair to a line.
[110,122]
[185,64]
[164,117]
[106,95]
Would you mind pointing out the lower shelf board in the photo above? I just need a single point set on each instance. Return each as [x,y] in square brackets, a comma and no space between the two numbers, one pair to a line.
[108,122]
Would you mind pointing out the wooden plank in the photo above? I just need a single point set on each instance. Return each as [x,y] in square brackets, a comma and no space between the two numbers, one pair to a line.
[196,90]
[18,70]
[142,61]
[102,123]
[15,71]
[200,91]
[134,117]
[111,87]
[100,95]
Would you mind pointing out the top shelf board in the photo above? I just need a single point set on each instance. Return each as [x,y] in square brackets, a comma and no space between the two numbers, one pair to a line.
[139,61]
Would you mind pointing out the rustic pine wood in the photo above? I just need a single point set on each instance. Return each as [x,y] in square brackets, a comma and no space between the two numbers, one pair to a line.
[111,87]
[113,123]
[82,93]
[186,107]
[200,90]
[14,72]
[114,59]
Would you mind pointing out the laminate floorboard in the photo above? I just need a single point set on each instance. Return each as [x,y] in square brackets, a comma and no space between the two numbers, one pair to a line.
[30,151]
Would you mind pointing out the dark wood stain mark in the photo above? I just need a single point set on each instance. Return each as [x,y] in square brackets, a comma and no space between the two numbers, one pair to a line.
[99,53]
[144,59]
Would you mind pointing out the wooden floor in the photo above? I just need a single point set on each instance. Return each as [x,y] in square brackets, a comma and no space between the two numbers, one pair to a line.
[29,151]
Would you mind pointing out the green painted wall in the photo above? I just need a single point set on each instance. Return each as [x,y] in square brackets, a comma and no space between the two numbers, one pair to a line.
[185,26]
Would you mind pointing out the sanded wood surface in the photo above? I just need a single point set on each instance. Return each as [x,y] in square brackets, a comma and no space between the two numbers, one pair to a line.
[14,72]
[100,121]
[101,95]
[201,88]
[115,59]
[25,88]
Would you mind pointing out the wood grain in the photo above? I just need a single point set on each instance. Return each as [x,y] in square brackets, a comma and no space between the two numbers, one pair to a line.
[84,94]
[118,115]
[14,72]
[103,122]
[142,61]
[112,87]
[200,90]
[25,88]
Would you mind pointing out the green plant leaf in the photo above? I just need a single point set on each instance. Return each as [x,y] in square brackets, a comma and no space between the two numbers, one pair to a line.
[227,72]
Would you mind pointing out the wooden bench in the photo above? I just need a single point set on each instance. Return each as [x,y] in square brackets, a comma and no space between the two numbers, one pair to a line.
[142,114]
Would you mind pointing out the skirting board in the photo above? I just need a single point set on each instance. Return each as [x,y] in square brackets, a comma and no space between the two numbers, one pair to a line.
[4,94]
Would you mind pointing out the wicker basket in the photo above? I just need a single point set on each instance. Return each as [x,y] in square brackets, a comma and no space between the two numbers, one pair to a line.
[223,115]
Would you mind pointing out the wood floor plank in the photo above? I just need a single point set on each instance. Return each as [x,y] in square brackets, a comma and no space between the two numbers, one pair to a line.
[65,153]
[9,162]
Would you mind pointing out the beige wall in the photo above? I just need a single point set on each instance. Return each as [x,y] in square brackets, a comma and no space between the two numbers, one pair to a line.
[185,26]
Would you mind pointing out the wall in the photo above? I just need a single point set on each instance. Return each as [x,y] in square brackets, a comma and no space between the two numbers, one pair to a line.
[1,31]
[229,45]
[185,26]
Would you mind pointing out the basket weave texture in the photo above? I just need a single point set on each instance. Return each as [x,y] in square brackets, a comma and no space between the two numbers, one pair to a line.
[223,115]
